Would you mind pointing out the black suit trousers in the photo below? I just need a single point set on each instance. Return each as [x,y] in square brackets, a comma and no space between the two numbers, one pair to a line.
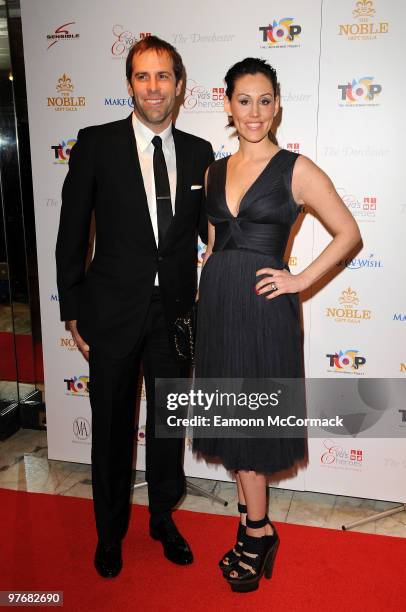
[113,391]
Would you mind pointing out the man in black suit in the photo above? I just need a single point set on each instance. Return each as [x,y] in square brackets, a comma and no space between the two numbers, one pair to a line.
[144,180]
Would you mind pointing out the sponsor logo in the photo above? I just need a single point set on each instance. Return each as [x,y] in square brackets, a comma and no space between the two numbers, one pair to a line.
[221,152]
[292,261]
[81,428]
[348,151]
[61,33]
[66,101]
[280,34]
[359,92]
[359,263]
[335,456]
[128,101]
[77,385]
[363,27]
[62,151]
[123,40]
[181,38]
[347,311]
[201,249]
[399,316]
[346,362]
[51,203]
[141,435]
[54,297]
[293,146]
[361,209]
[402,368]
[199,98]
[68,343]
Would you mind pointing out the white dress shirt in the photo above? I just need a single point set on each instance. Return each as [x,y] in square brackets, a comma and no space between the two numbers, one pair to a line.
[145,149]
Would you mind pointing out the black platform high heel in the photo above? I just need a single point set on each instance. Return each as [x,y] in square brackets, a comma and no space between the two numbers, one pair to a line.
[231,558]
[257,558]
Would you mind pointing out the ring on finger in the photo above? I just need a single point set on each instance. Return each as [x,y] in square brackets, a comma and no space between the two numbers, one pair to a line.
[273,286]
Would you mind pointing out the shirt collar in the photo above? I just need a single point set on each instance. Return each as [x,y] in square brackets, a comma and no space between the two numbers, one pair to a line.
[144,135]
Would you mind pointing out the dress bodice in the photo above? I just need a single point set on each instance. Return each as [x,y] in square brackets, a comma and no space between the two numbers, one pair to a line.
[267,209]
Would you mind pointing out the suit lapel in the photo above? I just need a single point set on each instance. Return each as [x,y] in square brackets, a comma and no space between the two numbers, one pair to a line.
[135,179]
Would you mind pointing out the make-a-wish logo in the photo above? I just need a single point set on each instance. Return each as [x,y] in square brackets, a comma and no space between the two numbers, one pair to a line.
[128,101]
[123,40]
[61,33]
[61,151]
[221,152]
[347,311]
[199,98]
[358,263]
[346,362]
[361,209]
[77,385]
[280,34]
[364,27]
[335,456]
[359,92]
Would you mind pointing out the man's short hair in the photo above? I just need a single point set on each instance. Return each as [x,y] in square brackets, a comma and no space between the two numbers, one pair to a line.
[160,46]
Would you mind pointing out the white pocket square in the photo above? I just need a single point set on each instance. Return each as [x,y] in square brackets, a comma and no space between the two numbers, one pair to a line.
[196,186]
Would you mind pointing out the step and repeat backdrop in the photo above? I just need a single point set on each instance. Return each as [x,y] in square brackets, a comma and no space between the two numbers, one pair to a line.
[340,68]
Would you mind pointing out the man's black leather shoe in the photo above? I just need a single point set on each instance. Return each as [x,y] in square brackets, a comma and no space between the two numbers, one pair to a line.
[107,560]
[176,549]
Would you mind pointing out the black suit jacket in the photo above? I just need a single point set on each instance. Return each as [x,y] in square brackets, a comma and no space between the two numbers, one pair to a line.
[110,300]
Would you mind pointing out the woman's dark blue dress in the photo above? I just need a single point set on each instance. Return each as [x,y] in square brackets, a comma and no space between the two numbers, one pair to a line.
[239,333]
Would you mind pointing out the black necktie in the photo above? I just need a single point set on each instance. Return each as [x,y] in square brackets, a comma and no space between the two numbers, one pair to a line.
[162,190]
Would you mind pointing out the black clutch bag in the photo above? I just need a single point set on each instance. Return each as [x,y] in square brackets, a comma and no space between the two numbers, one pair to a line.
[184,332]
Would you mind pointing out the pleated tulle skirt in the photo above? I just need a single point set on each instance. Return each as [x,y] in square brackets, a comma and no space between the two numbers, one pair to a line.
[243,335]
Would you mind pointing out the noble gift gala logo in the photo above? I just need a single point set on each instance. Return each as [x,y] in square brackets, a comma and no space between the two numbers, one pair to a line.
[280,34]
[348,310]
[363,27]
[359,92]
[66,101]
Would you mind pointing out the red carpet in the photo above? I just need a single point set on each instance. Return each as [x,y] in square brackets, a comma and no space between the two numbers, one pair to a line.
[29,372]
[47,543]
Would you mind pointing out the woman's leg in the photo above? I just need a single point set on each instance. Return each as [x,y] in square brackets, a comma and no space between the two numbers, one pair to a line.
[253,487]
[241,497]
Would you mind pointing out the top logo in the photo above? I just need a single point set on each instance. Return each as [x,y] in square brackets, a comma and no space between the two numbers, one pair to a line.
[61,33]
[280,34]
[364,27]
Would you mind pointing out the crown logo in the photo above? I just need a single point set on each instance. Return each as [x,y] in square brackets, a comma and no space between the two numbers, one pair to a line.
[64,85]
[364,8]
[349,296]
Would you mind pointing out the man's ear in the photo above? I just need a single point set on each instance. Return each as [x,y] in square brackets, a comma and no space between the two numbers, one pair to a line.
[130,89]
[179,86]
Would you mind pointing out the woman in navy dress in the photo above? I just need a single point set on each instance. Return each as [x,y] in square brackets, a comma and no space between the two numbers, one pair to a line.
[249,320]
